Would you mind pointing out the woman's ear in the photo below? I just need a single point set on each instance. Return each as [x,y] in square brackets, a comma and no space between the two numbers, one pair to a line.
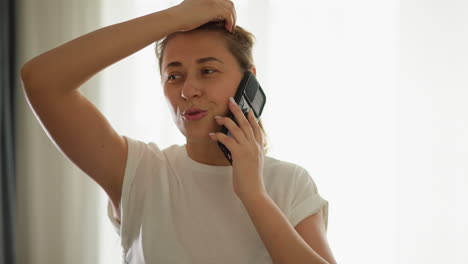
[253,69]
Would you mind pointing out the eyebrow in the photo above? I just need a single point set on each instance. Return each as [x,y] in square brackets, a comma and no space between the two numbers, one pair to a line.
[199,61]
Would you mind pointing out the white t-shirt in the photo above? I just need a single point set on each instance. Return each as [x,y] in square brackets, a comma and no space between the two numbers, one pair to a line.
[176,210]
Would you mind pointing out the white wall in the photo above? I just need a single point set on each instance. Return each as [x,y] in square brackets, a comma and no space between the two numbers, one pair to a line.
[432,134]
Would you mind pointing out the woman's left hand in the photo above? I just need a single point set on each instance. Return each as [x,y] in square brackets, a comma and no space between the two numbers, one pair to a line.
[246,148]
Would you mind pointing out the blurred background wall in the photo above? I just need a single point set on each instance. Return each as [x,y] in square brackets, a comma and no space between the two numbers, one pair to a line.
[368,96]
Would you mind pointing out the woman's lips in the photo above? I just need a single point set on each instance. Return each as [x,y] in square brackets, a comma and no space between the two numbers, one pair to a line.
[195,117]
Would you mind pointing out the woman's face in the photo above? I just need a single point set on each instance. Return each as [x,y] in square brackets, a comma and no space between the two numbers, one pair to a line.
[198,71]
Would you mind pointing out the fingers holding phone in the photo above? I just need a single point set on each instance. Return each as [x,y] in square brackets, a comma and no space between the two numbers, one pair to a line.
[249,95]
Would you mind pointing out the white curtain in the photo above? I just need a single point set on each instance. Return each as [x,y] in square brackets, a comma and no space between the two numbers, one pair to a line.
[58,217]
[368,96]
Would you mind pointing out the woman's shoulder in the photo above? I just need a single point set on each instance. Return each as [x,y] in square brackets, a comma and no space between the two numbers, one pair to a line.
[282,172]
[274,164]
[150,149]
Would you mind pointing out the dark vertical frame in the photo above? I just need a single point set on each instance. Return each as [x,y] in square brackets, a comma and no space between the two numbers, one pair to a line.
[7,132]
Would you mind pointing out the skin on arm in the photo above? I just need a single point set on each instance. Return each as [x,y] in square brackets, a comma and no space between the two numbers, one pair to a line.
[284,243]
[312,230]
[76,126]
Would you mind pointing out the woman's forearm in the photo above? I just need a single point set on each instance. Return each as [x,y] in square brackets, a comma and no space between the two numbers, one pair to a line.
[68,66]
[280,238]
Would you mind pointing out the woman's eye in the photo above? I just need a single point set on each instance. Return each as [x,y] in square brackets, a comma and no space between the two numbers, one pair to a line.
[173,76]
[204,70]
[170,76]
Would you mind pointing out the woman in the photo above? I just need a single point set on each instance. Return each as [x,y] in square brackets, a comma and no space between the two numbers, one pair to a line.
[184,204]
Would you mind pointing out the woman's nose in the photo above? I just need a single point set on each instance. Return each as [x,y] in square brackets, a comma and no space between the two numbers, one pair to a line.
[191,88]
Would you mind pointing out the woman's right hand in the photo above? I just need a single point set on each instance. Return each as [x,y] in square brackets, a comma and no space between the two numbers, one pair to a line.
[194,13]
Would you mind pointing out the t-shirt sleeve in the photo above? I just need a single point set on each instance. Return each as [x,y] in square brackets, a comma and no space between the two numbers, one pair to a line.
[138,163]
[110,215]
[307,200]
[134,154]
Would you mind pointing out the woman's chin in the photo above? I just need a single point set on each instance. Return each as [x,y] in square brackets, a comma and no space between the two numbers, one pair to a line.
[198,136]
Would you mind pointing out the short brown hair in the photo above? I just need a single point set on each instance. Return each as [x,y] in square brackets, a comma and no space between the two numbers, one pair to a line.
[240,43]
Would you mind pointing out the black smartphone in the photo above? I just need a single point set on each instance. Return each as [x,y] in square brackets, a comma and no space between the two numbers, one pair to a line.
[249,94]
